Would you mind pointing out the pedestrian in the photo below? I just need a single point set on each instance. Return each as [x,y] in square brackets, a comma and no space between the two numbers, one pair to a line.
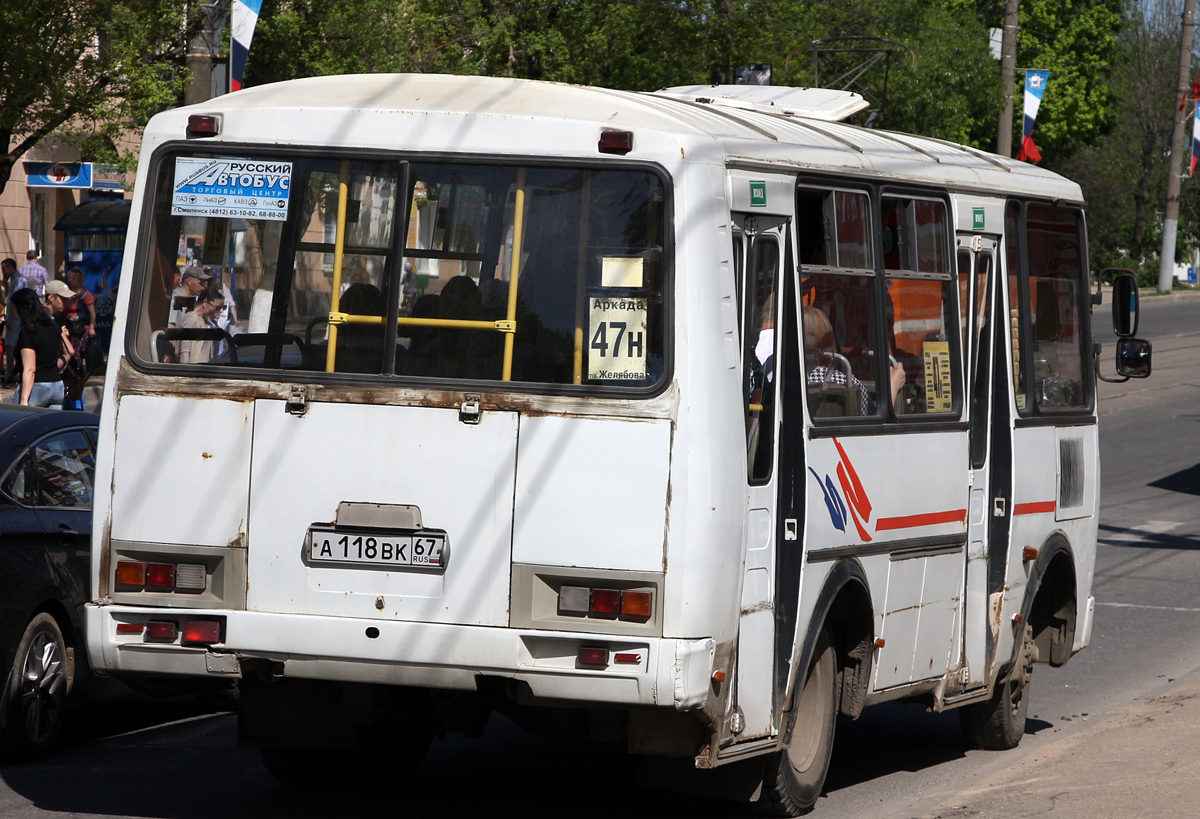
[12,323]
[34,274]
[81,307]
[43,349]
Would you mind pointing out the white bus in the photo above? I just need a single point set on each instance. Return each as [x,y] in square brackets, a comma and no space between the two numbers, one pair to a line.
[685,421]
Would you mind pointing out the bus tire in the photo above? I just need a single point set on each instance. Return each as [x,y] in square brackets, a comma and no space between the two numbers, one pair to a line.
[999,723]
[795,775]
[35,700]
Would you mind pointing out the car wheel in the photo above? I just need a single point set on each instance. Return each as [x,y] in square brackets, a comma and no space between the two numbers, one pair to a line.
[36,696]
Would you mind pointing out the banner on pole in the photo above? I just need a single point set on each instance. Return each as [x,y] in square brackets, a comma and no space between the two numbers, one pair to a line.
[1195,140]
[1035,86]
[245,18]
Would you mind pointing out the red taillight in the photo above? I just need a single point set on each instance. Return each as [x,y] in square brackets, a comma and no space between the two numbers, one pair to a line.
[627,658]
[203,125]
[161,630]
[131,573]
[160,575]
[201,632]
[593,656]
[616,142]
[129,628]
[606,602]
[637,605]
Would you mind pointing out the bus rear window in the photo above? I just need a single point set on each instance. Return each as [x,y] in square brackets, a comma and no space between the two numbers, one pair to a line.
[542,275]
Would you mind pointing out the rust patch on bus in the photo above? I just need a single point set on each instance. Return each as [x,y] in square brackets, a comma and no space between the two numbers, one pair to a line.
[206,456]
[239,542]
[105,559]
[663,406]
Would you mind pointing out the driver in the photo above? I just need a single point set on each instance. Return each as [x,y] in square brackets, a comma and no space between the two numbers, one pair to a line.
[203,316]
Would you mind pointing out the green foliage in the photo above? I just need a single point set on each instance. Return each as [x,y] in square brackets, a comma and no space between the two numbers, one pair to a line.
[1077,40]
[56,80]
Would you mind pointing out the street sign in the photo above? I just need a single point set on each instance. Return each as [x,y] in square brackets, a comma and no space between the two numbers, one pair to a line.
[75,175]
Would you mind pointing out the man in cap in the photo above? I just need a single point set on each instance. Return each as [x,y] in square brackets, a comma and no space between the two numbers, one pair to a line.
[191,284]
[57,294]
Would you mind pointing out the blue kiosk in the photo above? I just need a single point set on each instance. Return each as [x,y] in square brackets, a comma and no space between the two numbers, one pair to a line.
[95,241]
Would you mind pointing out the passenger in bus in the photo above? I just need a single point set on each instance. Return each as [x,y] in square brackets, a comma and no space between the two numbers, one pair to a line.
[360,346]
[826,366]
[191,284]
[203,316]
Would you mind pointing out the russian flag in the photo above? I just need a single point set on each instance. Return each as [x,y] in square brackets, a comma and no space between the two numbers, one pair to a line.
[1195,140]
[245,17]
[1035,86]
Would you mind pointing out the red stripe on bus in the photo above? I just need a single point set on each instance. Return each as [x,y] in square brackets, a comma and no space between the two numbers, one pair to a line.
[930,519]
[1033,508]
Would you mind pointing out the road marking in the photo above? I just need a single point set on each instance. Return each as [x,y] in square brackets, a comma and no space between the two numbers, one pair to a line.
[1139,606]
[1137,534]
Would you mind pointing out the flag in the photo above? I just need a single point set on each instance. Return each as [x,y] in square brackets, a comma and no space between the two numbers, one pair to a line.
[245,17]
[1195,141]
[1035,85]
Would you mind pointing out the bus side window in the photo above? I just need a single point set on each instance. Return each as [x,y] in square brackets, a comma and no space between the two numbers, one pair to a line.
[761,347]
[1055,315]
[921,321]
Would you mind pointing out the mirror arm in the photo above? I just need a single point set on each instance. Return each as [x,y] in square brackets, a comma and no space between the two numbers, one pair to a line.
[1096,364]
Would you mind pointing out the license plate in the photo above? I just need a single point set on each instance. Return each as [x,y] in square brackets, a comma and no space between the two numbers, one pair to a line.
[417,550]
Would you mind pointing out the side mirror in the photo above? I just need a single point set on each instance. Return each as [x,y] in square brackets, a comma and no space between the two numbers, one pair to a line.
[1133,356]
[1125,307]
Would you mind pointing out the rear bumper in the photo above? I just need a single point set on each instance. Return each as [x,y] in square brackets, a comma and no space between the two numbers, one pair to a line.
[667,672]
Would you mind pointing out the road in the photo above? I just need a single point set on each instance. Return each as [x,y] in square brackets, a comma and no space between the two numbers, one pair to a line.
[131,758]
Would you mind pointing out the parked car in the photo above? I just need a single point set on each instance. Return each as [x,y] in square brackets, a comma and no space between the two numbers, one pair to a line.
[47,465]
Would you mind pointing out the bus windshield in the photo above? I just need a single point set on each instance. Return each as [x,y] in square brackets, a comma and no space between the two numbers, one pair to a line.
[543,275]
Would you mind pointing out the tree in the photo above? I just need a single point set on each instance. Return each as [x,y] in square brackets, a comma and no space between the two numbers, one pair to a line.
[1077,40]
[87,71]
[1124,174]
[608,43]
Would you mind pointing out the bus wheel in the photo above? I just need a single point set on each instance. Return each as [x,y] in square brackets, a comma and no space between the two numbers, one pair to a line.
[795,775]
[999,723]
[37,691]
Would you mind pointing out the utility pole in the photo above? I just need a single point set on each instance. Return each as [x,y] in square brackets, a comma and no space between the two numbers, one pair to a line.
[1166,261]
[1008,77]
[205,54]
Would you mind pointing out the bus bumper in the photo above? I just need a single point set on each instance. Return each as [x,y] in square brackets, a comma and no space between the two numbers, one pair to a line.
[639,670]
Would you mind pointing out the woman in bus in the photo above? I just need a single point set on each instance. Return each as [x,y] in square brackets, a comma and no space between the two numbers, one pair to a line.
[820,344]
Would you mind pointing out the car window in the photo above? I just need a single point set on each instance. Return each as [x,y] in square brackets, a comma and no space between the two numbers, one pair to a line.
[66,466]
[18,485]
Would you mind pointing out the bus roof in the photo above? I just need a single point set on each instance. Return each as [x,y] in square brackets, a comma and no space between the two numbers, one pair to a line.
[546,114]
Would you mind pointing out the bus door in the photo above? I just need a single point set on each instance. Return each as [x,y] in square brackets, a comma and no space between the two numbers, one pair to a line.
[359,507]
[760,256]
[977,300]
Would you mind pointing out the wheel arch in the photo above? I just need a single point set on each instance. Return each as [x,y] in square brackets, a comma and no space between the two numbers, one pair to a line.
[1050,609]
[845,603]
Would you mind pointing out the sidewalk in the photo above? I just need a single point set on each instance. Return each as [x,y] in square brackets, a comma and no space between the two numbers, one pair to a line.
[1143,760]
[92,393]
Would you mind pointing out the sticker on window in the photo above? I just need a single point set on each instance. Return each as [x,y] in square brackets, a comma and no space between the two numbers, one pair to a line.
[231,188]
[622,271]
[617,328]
[938,395]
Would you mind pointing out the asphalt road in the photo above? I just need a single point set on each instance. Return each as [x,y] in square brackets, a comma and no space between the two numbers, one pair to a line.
[133,758]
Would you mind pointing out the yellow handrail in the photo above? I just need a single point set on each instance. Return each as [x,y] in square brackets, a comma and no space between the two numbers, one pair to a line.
[339,248]
[500,325]
[508,325]
[518,231]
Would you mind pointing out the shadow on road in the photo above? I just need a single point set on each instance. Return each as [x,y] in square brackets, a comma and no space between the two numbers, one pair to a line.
[1141,538]
[192,768]
[1185,480]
